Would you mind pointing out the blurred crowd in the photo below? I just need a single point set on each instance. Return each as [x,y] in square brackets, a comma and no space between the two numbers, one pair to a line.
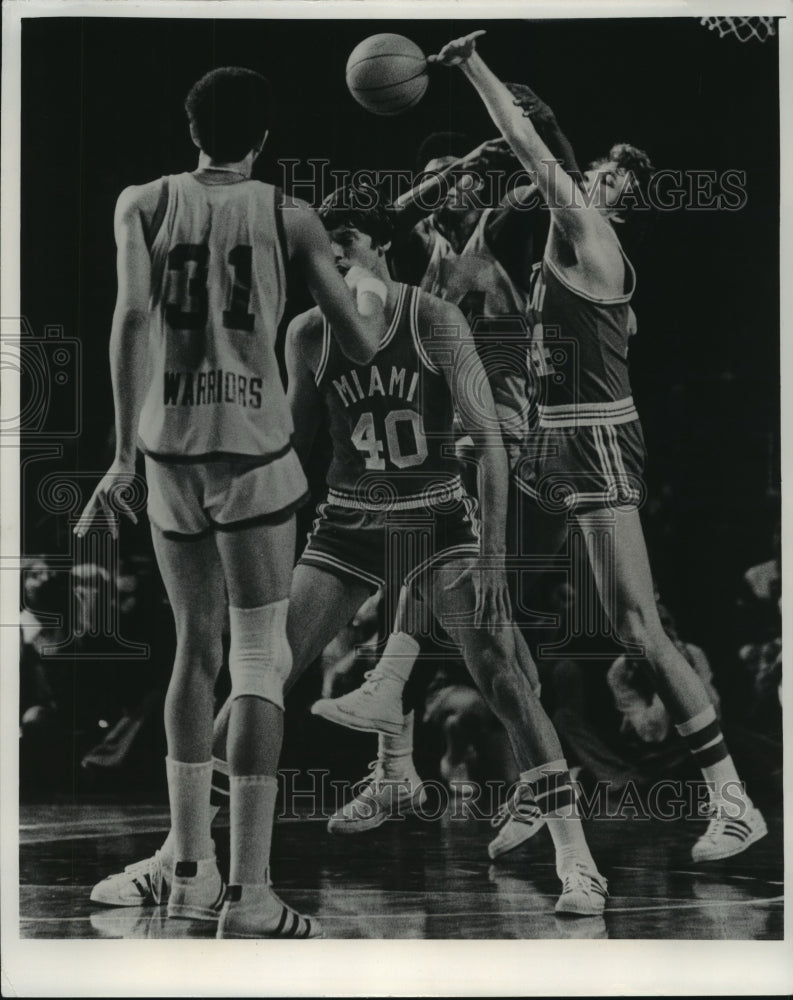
[97,647]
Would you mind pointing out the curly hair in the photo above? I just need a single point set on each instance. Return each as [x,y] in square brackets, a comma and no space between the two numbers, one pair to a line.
[361,206]
[229,110]
[634,161]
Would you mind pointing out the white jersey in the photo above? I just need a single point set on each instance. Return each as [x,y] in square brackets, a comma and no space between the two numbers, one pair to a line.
[218,293]
[473,279]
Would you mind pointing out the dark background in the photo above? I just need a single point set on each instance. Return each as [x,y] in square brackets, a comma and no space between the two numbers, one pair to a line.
[102,108]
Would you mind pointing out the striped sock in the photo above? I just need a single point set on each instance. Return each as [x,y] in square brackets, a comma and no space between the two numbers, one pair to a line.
[705,740]
[219,795]
[555,795]
[395,753]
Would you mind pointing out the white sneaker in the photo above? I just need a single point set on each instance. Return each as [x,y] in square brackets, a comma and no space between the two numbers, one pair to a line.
[725,836]
[257,912]
[584,892]
[518,819]
[378,798]
[144,883]
[374,707]
[197,890]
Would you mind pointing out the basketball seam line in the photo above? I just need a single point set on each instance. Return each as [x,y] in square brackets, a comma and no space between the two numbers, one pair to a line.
[386,86]
[386,55]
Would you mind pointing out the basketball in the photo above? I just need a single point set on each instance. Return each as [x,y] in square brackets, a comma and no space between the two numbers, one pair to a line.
[387,74]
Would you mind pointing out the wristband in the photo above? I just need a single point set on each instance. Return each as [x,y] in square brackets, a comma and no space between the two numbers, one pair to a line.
[372,284]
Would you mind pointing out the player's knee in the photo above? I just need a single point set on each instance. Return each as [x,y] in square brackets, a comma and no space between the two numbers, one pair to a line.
[199,650]
[260,658]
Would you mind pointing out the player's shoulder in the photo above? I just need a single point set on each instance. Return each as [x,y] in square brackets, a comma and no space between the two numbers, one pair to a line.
[139,199]
[433,310]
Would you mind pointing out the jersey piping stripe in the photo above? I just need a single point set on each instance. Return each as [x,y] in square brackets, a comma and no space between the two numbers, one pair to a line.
[453,490]
[617,300]
[311,557]
[323,361]
[414,329]
[159,214]
[392,329]
[387,338]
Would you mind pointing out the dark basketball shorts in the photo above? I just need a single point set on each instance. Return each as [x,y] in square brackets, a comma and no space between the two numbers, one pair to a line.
[189,500]
[580,469]
[389,546]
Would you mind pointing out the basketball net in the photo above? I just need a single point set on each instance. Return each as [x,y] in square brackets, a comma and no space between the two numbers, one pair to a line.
[743,28]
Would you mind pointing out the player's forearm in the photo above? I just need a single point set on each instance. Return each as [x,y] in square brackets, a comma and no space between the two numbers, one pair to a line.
[128,372]
[493,481]
[558,144]
[518,130]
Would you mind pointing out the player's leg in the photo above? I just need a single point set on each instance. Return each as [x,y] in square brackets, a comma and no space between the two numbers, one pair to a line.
[492,659]
[257,564]
[193,578]
[623,576]
[377,705]
[320,603]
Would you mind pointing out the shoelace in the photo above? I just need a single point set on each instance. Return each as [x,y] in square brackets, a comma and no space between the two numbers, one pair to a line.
[522,810]
[371,682]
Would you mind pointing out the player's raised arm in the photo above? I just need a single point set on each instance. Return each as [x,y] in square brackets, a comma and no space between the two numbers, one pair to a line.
[476,410]
[128,350]
[304,398]
[356,314]
[558,188]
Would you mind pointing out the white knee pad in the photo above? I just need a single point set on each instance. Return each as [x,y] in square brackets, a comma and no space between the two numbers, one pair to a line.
[260,658]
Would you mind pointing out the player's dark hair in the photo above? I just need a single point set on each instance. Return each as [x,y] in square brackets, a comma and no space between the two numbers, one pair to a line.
[636,162]
[439,144]
[357,205]
[229,109]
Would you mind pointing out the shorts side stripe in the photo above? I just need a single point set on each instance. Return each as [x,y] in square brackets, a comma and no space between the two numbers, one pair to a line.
[312,558]
[465,548]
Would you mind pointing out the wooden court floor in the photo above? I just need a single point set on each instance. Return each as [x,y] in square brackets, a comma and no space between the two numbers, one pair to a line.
[411,878]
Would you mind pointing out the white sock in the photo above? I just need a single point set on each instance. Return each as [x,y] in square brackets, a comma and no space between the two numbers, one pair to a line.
[395,753]
[399,657]
[252,812]
[188,792]
[556,799]
[705,740]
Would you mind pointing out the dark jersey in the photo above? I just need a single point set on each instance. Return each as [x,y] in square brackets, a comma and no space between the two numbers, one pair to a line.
[579,352]
[482,284]
[390,419]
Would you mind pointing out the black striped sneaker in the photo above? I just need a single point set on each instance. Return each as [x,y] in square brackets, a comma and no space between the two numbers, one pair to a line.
[255,911]
[726,836]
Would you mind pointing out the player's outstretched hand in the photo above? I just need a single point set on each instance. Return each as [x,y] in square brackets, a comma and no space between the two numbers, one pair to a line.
[486,155]
[117,481]
[458,51]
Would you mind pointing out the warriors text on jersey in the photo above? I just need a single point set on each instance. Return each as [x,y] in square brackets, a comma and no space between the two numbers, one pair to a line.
[390,419]
[218,293]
